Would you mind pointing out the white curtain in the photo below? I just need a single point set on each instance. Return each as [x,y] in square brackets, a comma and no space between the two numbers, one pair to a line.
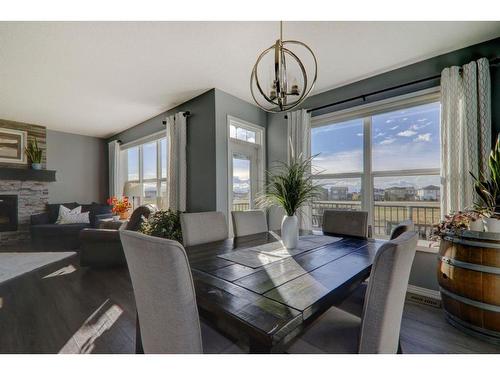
[465,131]
[299,144]
[176,176]
[114,169]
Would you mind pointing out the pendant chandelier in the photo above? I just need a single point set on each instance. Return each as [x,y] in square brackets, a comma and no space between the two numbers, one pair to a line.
[282,96]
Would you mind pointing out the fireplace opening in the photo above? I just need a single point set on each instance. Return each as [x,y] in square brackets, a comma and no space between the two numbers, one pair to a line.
[8,213]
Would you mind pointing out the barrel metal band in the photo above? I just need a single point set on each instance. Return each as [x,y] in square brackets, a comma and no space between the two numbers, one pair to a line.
[470,266]
[472,243]
[480,305]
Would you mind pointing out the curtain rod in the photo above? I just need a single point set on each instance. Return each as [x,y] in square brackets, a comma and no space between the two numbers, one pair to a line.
[494,61]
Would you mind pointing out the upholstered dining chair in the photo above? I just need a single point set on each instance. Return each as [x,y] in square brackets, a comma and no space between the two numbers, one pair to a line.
[249,222]
[164,294]
[203,227]
[377,331]
[345,222]
[354,302]
[404,226]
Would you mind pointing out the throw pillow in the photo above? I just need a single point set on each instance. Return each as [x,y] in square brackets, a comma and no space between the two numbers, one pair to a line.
[75,218]
[63,211]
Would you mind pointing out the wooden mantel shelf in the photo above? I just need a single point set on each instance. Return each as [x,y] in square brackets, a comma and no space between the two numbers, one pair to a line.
[27,174]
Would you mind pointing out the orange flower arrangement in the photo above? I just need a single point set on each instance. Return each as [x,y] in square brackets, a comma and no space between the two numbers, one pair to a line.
[119,206]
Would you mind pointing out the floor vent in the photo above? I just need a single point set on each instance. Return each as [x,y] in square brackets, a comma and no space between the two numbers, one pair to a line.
[423,300]
[423,296]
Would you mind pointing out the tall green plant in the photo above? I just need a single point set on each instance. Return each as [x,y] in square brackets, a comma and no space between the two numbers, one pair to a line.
[488,188]
[33,152]
[163,223]
[290,186]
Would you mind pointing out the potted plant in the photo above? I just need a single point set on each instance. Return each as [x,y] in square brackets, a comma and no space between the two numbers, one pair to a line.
[120,207]
[163,223]
[34,154]
[451,224]
[290,186]
[488,192]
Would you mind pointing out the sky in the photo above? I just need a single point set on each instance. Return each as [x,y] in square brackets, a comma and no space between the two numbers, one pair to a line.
[403,139]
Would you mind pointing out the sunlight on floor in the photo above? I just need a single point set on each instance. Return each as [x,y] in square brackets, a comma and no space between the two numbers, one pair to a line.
[63,271]
[83,341]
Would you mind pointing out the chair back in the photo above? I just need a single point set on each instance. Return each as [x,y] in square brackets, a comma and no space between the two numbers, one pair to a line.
[134,223]
[203,227]
[404,226]
[164,294]
[249,222]
[345,222]
[385,295]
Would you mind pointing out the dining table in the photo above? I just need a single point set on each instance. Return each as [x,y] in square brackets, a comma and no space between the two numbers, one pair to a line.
[253,290]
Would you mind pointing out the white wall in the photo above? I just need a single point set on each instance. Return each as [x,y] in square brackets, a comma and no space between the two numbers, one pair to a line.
[81,165]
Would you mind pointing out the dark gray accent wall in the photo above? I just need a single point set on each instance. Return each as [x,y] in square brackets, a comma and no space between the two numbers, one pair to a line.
[200,154]
[229,105]
[81,165]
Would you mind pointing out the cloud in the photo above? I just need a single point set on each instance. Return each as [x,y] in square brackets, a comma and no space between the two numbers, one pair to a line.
[379,135]
[359,134]
[422,119]
[388,141]
[417,127]
[389,121]
[423,138]
[339,162]
[395,127]
[407,133]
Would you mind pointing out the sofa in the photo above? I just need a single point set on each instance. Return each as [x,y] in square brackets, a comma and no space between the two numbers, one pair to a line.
[46,235]
[102,248]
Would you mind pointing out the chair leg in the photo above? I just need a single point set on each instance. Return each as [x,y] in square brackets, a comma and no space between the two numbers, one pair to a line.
[400,349]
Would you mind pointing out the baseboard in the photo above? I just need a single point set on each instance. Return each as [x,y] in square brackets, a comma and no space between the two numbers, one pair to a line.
[423,295]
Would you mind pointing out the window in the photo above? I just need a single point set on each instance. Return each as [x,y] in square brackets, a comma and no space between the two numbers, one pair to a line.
[383,158]
[145,165]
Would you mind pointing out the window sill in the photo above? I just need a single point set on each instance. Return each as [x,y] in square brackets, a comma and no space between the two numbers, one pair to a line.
[428,246]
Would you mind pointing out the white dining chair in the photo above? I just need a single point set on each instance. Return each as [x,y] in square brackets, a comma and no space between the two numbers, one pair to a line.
[377,331]
[203,227]
[249,222]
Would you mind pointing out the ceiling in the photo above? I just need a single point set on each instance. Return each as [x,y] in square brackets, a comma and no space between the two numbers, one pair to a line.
[99,78]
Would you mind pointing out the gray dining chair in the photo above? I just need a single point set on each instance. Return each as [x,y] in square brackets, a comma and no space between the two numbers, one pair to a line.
[404,226]
[345,223]
[203,227]
[377,331]
[354,302]
[164,294]
[249,222]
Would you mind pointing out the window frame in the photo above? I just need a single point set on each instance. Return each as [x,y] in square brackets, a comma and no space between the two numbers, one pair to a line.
[366,112]
[156,138]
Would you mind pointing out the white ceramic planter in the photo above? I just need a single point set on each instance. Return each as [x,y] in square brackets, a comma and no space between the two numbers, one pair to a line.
[491,225]
[477,225]
[290,231]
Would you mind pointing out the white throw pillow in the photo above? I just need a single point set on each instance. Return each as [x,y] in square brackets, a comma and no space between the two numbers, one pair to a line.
[63,210]
[75,218]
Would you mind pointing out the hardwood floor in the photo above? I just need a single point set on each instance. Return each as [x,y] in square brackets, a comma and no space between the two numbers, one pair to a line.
[68,309]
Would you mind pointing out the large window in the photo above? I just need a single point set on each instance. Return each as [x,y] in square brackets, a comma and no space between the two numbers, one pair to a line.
[382,158]
[145,168]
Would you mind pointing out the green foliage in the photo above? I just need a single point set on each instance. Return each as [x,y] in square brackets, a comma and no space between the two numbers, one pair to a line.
[33,152]
[290,186]
[163,223]
[488,189]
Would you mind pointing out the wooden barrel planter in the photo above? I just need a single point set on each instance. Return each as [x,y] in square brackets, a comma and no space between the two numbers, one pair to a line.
[469,278]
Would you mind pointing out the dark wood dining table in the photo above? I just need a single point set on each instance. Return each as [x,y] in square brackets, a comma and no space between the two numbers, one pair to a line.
[268,306]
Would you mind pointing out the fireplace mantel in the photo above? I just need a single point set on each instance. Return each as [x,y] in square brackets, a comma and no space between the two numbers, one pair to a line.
[27,174]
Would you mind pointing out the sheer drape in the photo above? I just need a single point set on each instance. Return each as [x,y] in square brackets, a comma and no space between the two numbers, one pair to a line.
[465,131]
[176,176]
[114,169]
[299,144]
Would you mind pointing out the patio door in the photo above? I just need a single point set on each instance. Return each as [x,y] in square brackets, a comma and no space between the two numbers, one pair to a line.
[244,176]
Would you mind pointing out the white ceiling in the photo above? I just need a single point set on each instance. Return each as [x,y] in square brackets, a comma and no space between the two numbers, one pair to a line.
[98,78]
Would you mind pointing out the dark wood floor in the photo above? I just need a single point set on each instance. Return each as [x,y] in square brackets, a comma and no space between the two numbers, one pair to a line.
[68,309]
